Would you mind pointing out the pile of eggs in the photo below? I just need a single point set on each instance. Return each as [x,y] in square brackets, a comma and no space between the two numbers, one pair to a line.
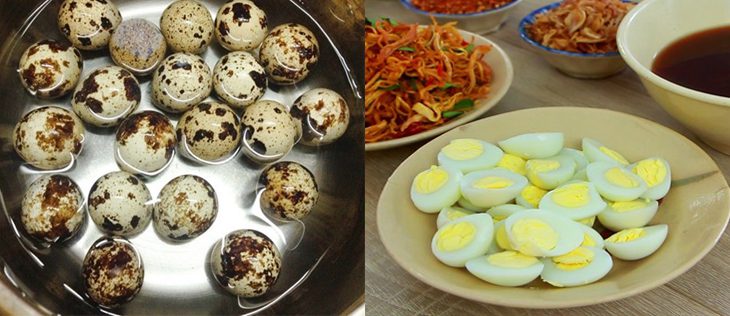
[531,208]
[246,262]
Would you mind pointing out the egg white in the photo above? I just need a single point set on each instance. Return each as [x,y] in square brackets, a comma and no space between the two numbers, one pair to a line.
[485,198]
[468,205]
[592,151]
[593,235]
[451,213]
[445,196]
[659,190]
[570,235]
[478,246]
[594,271]
[504,276]
[489,158]
[533,145]
[551,179]
[596,173]
[616,221]
[502,211]
[641,247]
[594,206]
[580,159]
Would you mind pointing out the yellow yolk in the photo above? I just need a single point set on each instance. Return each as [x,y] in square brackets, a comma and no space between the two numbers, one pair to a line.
[453,214]
[492,183]
[513,163]
[628,206]
[456,236]
[587,221]
[502,239]
[431,180]
[574,260]
[511,259]
[614,155]
[537,166]
[463,149]
[572,195]
[618,176]
[528,233]
[627,235]
[532,194]
[653,171]
[588,241]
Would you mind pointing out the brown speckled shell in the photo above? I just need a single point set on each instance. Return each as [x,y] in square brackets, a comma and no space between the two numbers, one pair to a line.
[50,69]
[106,97]
[211,130]
[323,116]
[240,25]
[52,208]
[119,204]
[138,46]
[186,208]
[187,26]
[239,79]
[88,24]
[146,141]
[113,272]
[288,53]
[182,81]
[290,190]
[48,137]
[271,129]
[246,263]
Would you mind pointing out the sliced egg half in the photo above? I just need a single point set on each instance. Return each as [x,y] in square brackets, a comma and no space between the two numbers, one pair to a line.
[595,151]
[501,212]
[507,268]
[551,172]
[575,200]
[542,234]
[533,145]
[487,188]
[614,182]
[632,214]
[468,154]
[583,265]
[530,196]
[636,243]
[513,163]
[435,188]
[580,159]
[500,237]
[464,203]
[656,174]
[591,238]
[463,239]
[450,213]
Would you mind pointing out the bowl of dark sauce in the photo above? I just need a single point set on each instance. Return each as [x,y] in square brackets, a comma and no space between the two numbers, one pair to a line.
[681,52]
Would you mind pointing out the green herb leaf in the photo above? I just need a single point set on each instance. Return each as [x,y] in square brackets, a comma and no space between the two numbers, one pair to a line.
[413,84]
[451,114]
[389,20]
[391,88]
[470,47]
[408,49]
[370,21]
[448,85]
[463,104]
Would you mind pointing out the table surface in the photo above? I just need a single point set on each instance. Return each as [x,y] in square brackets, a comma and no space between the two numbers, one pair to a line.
[390,290]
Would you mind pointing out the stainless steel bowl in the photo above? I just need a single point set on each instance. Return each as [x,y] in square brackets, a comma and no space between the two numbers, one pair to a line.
[322,274]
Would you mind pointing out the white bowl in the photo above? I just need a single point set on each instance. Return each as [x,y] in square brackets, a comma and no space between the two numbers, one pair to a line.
[480,22]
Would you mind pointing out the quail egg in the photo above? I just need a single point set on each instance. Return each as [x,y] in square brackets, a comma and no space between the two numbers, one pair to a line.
[288,53]
[182,81]
[246,263]
[449,214]
[49,138]
[50,69]
[186,207]
[468,154]
[106,97]
[120,204]
[209,132]
[187,26]
[506,268]
[534,145]
[113,272]
[52,208]
[581,266]
[437,187]
[239,80]
[636,243]
[323,116]
[269,131]
[463,239]
[290,190]
[88,24]
[240,25]
[138,45]
[492,187]
[145,143]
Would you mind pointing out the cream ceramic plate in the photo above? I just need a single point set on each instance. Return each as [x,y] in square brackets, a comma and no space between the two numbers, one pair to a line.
[502,78]
[696,209]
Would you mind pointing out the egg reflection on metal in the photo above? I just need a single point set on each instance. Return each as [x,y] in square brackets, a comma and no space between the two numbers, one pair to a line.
[145,143]
[210,133]
[49,138]
[113,272]
[322,116]
[52,208]
[290,191]
[106,97]
[269,131]
[186,208]
[182,81]
[50,69]
[120,204]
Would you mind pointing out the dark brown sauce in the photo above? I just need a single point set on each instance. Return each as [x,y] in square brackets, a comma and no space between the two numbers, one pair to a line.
[700,61]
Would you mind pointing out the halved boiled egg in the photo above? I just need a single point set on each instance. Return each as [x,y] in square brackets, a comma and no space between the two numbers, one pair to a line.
[450,213]
[468,154]
[580,159]
[614,182]
[513,163]
[632,214]
[581,266]
[500,236]
[533,145]
[435,188]
[487,188]
[501,212]
[595,151]
[656,174]
[466,204]
[636,243]
[507,268]
[551,172]
[463,239]
[575,200]
[530,196]
[542,234]
[591,238]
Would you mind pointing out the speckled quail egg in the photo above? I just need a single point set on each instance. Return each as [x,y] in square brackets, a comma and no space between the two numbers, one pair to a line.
[288,53]
[49,138]
[290,190]
[145,143]
[239,80]
[106,97]
[186,207]
[120,204]
[182,81]
[245,263]
[50,69]
[113,271]
[209,132]
[52,208]
[138,45]
[435,188]
[323,116]
[88,24]
[269,131]
[187,26]
[240,25]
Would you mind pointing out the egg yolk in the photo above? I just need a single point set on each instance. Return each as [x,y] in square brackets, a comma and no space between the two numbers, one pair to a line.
[627,235]
[629,205]
[456,236]
[587,221]
[492,183]
[618,176]
[653,171]
[531,235]
[574,260]
[513,163]
[501,236]
[572,195]
[511,259]
[431,180]
[614,155]
[532,194]
[536,166]
[453,214]
[588,241]
[463,149]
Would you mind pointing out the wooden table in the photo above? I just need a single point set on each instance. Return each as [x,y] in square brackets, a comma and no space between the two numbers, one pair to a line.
[390,290]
